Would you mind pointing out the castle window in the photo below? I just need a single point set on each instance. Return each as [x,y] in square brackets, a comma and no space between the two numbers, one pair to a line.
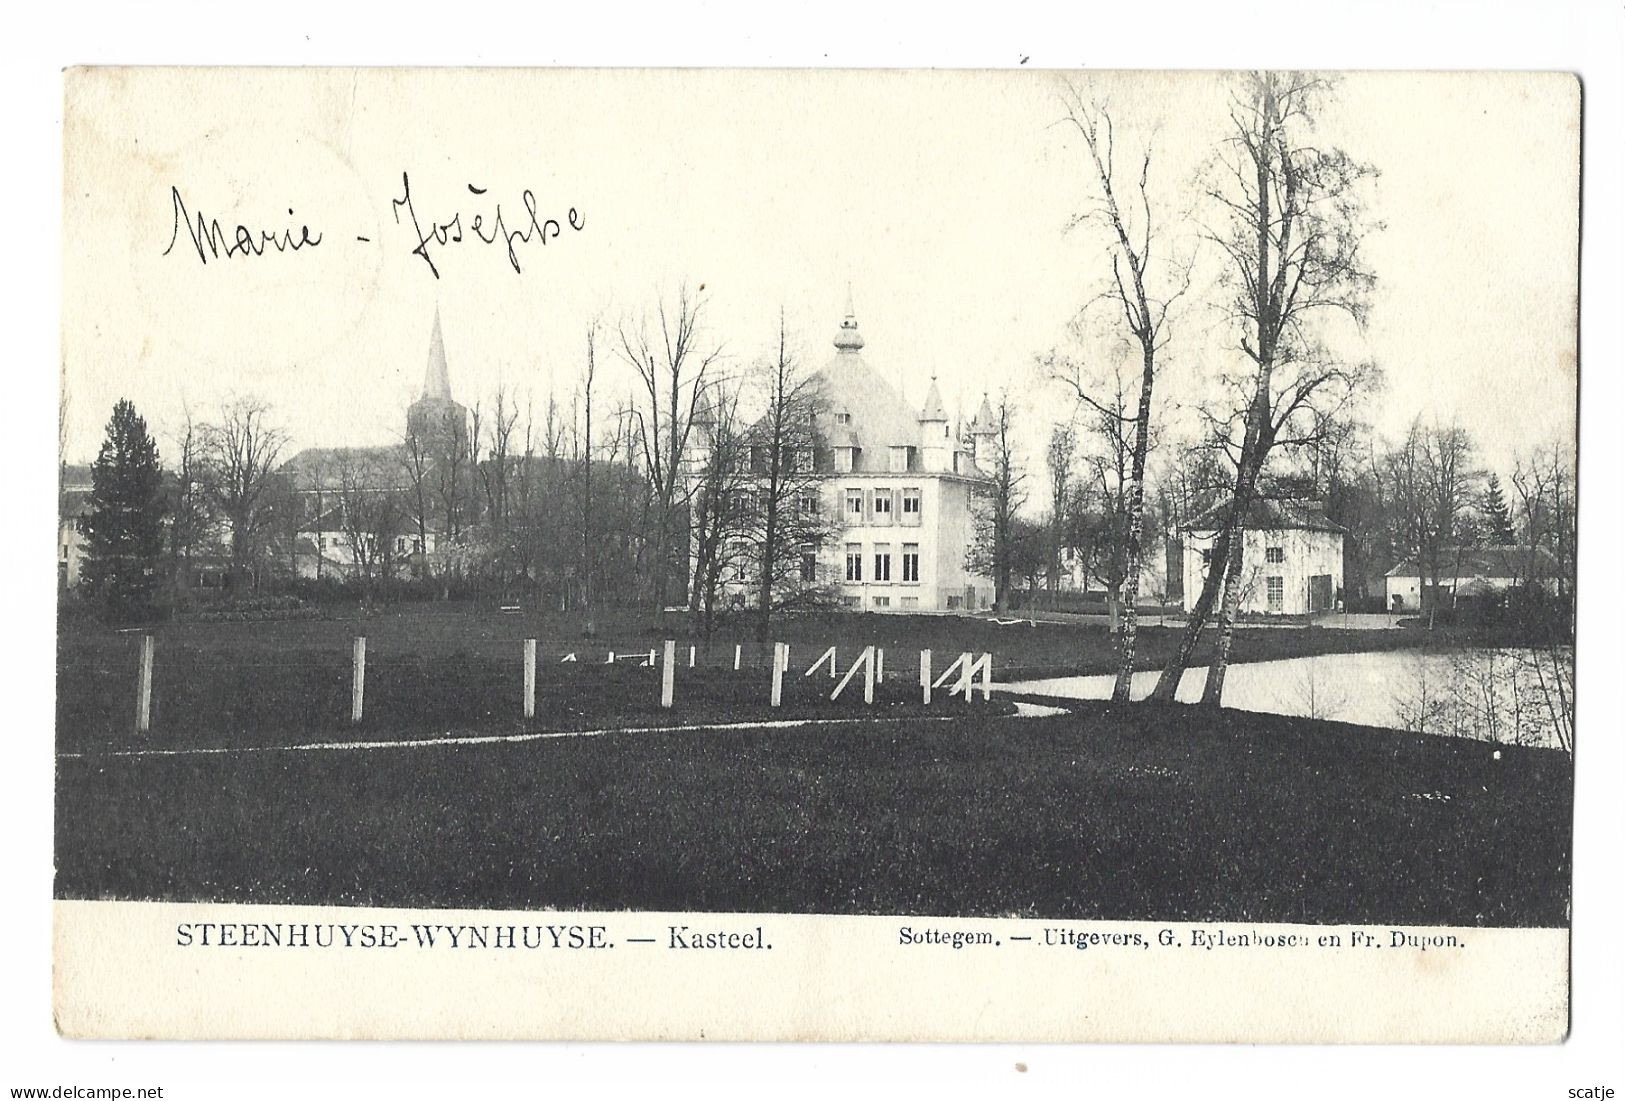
[809,563]
[854,504]
[1275,555]
[911,561]
[883,562]
[911,506]
[854,561]
[882,506]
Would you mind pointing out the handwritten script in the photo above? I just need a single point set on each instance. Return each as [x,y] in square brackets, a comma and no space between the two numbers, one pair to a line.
[212,241]
[532,227]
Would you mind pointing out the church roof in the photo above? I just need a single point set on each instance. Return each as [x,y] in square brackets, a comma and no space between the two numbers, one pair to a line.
[382,466]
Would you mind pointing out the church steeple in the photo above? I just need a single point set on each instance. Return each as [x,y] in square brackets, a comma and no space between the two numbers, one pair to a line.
[437,379]
[848,339]
[435,416]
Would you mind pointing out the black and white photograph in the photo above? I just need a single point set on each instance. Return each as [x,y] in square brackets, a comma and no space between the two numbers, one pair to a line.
[1128,513]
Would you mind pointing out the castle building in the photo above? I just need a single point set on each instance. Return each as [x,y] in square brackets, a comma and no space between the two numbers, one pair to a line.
[901,486]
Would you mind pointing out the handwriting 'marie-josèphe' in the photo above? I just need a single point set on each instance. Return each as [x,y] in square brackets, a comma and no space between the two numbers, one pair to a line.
[213,241]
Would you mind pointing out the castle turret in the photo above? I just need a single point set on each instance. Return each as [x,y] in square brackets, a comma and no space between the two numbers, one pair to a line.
[936,441]
[984,431]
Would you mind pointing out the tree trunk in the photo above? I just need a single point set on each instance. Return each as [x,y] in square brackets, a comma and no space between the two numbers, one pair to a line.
[764,596]
[1174,671]
[1213,690]
[1136,523]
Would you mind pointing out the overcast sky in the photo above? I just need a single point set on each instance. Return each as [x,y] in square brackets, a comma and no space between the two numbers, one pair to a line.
[940,198]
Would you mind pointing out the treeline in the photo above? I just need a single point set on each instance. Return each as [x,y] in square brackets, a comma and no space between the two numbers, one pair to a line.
[696,483]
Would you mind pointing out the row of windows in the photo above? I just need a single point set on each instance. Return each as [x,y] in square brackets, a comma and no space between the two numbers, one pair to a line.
[877,505]
[1273,555]
[882,560]
[852,600]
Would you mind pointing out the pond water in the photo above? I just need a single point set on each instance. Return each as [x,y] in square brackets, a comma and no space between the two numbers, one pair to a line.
[1519,697]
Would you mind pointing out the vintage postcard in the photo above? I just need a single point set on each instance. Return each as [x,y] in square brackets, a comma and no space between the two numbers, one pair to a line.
[817,555]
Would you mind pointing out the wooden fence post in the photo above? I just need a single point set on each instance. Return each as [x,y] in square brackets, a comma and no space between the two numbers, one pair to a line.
[781,658]
[530,678]
[869,676]
[880,666]
[143,688]
[667,673]
[736,657]
[358,677]
[925,676]
[691,657]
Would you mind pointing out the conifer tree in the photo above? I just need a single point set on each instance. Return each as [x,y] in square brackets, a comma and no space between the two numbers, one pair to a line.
[124,527]
[1497,516]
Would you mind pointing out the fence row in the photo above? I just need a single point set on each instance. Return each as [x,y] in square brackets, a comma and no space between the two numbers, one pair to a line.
[966,674]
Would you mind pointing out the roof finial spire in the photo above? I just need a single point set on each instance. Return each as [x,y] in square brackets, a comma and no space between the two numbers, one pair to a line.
[848,339]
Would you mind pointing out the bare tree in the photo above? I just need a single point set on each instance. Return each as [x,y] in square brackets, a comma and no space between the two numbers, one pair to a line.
[993,551]
[1106,495]
[790,521]
[240,453]
[495,472]
[671,361]
[723,503]
[1135,236]
[372,519]
[1432,483]
[1058,460]
[1290,226]
[1543,480]
[189,518]
[588,558]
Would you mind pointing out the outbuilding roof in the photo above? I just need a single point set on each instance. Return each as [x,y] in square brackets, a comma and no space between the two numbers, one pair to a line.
[1270,514]
[1506,560]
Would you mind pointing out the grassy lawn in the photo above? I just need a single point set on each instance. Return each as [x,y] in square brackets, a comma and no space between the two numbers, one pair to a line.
[432,668]
[1159,813]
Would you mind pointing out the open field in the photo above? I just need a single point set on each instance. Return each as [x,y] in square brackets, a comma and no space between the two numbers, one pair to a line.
[1160,813]
[433,668]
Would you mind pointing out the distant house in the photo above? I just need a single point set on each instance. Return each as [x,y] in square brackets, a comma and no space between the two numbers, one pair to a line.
[1081,574]
[73,505]
[1291,558]
[1470,573]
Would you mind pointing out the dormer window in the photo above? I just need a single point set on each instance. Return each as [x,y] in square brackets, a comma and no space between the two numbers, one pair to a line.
[843,418]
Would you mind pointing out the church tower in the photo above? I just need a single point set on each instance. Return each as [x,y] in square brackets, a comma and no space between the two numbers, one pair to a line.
[435,419]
